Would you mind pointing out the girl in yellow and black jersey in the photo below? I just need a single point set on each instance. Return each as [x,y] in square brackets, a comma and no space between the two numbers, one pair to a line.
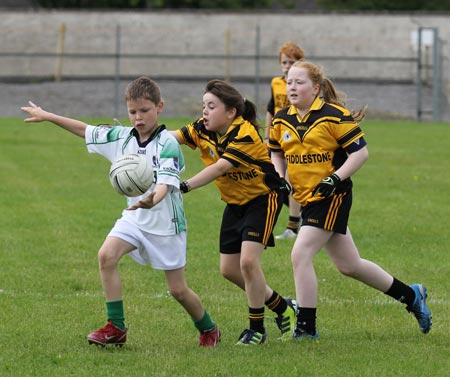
[322,145]
[250,171]
[326,134]
[237,160]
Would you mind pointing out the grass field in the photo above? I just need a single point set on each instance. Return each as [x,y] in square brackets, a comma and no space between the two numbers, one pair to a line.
[57,206]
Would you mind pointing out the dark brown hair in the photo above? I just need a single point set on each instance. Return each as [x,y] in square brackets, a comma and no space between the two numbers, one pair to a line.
[233,99]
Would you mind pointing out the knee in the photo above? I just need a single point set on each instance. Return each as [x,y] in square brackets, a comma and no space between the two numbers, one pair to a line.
[299,260]
[231,271]
[348,270]
[247,266]
[227,273]
[106,258]
[178,292]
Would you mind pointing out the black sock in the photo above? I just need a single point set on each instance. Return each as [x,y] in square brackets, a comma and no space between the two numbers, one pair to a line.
[293,223]
[401,292]
[256,317]
[306,320]
[276,303]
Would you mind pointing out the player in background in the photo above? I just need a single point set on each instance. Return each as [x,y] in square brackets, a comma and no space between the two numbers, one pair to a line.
[289,53]
[323,146]
[237,161]
[156,234]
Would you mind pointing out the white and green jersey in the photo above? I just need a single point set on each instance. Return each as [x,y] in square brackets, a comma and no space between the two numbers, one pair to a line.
[164,153]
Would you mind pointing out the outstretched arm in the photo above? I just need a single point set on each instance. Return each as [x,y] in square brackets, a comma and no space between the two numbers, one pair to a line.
[37,114]
[208,174]
[175,135]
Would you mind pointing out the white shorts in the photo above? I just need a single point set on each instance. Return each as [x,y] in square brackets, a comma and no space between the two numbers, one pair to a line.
[162,252]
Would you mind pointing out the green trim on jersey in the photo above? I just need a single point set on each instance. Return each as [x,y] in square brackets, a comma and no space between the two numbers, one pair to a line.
[113,134]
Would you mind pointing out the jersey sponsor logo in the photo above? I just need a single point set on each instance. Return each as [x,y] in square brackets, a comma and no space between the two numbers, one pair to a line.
[241,175]
[253,234]
[100,130]
[169,169]
[312,221]
[308,158]
[142,151]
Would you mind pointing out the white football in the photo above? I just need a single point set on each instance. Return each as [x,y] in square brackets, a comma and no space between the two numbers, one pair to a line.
[131,175]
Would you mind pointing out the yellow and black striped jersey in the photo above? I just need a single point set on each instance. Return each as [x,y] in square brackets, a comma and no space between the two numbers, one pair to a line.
[315,146]
[252,174]
[279,99]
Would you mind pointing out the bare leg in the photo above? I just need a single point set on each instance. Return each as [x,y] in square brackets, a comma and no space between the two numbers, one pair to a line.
[230,268]
[308,243]
[109,255]
[179,290]
[255,282]
[294,207]
[344,254]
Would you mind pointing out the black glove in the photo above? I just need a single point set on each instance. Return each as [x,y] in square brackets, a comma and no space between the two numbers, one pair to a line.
[327,186]
[286,186]
[184,187]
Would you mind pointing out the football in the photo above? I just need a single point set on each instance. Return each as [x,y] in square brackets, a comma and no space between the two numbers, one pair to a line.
[131,175]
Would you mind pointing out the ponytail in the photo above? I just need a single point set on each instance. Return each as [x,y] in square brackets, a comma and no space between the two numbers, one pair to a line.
[249,113]
[331,95]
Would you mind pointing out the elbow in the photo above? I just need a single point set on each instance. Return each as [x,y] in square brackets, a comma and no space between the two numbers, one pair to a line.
[221,167]
[222,172]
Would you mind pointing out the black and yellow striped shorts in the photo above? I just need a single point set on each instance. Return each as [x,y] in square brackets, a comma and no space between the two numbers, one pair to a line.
[330,214]
[253,221]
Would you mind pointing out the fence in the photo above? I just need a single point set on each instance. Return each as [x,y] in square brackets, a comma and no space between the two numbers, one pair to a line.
[224,59]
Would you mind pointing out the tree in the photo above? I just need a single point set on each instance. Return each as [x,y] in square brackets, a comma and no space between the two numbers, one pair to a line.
[338,5]
[389,5]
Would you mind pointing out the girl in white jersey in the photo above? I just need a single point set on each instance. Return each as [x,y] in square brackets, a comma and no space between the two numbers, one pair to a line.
[155,234]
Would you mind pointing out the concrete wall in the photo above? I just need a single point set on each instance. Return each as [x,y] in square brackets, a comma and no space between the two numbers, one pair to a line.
[372,52]
[328,38]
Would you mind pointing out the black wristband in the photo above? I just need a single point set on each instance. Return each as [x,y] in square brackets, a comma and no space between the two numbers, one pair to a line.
[184,187]
[335,178]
